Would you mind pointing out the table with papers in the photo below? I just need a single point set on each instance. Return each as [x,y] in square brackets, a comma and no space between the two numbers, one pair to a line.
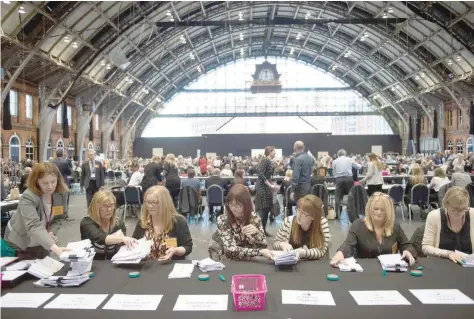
[304,287]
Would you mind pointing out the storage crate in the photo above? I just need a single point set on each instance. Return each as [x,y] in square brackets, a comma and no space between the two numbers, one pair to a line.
[249,292]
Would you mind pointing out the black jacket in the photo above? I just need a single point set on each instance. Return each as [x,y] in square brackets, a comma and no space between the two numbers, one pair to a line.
[63,167]
[152,174]
[216,180]
[356,202]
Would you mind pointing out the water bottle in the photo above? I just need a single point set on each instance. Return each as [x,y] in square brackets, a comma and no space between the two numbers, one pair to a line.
[404,183]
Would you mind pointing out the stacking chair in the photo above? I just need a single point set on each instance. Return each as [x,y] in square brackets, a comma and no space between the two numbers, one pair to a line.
[470,190]
[442,191]
[110,177]
[396,193]
[287,200]
[188,202]
[420,195]
[356,202]
[321,191]
[132,197]
[215,197]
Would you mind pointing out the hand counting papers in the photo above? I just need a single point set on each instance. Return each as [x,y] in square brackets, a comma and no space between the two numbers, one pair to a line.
[393,262]
[468,258]
[80,257]
[208,264]
[62,281]
[134,255]
[181,271]
[44,268]
[350,264]
[287,258]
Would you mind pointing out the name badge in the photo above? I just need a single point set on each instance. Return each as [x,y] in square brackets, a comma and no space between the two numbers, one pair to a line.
[171,242]
[394,248]
[96,165]
[57,210]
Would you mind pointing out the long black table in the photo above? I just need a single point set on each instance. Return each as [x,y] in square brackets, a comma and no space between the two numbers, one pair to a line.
[307,275]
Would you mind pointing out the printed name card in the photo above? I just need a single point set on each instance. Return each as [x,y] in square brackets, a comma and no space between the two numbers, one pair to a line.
[379,298]
[133,302]
[76,301]
[301,297]
[201,303]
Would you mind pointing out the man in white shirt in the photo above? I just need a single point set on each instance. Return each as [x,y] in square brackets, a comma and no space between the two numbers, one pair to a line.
[137,176]
[342,171]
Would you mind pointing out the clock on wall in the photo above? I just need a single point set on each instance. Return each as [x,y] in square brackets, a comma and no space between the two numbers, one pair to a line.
[266,79]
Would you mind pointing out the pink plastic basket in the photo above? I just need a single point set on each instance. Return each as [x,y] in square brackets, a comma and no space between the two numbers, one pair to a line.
[249,292]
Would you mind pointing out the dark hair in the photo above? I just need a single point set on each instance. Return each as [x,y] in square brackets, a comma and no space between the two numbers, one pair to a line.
[59,152]
[315,170]
[240,194]
[239,177]
[268,150]
[191,172]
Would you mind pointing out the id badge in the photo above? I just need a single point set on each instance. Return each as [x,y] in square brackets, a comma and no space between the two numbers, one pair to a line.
[171,242]
[57,210]
[395,248]
[96,165]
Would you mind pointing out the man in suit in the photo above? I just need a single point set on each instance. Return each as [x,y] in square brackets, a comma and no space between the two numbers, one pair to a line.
[92,176]
[216,179]
[65,171]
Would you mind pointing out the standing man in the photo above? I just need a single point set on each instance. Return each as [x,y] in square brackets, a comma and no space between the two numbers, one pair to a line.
[342,171]
[92,176]
[65,171]
[302,167]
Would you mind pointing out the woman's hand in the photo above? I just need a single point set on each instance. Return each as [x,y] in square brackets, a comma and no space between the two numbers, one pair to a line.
[286,247]
[130,242]
[408,256]
[267,254]
[59,250]
[53,237]
[249,230]
[169,253]
[456,258]
[338,257]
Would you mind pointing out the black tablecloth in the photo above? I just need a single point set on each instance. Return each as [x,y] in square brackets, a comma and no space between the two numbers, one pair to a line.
[309,275]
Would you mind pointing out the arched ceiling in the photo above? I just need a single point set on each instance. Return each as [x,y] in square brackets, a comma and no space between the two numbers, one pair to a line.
[88,48]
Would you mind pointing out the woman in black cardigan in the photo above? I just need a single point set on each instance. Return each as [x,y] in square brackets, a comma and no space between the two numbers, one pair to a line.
[160,223]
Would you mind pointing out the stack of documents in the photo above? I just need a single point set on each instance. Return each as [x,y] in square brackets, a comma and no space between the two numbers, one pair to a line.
[350,264]
[80,257]
[134,255]
[393,262]
[286,258]
[62,281]
[21,265]
[208,264]
[44,268]
[181,271]
[468,258]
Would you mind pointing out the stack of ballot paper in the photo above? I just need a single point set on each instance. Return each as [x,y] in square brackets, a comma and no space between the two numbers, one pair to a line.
[286,258]
[80,257]
[181,271]
[350,264]
[134,255]
[393,262]
[468,258]
[44,268]
[208,264]
[21,265]
[62,281]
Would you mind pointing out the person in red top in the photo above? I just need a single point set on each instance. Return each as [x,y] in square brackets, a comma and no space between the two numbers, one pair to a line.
[203,165]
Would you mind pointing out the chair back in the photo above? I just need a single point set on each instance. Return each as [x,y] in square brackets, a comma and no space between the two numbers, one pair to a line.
[215,195]
[443,190]
[396,193]
[188,200]
[321,191]
[356,202]
[470,190]
[417,239]
[287,195]
[132,195]
[110,174]
[420,194]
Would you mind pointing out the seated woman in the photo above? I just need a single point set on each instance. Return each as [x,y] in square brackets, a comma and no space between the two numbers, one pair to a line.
[32,229]
[317,179]
[439,179]
[308,233]
[164,226]
[239,234]
[415,178]
[449,228]
[376,234]
[103,228]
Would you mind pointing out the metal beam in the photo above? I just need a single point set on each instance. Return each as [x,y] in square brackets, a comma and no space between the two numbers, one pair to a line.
[268,114]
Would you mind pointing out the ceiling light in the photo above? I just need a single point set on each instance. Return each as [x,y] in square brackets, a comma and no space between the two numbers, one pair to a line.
[241,16]
[102,63]
[108,67]
[21,10]
[191,56]
[390,9]
[241,36]
[393,88]
[74,45]
[298,36]
[397,86]
[458,58]
[422,74]
[182,39]
[417,77]
[362,39]
[130,81]
[385,15]
[292,51]
[308,15]
[171,19]
[168,12]
[126,79]
[450,62]
[66,39]
[6,2]
[334,67]
[199,68]
[366,34]
[158,99]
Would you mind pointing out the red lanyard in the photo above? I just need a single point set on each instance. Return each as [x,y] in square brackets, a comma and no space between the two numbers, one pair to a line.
[50,212]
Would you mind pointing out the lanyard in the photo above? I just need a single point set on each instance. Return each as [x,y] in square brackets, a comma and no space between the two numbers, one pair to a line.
[50,212]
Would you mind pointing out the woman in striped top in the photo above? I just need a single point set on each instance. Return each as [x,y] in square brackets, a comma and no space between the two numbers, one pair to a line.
[308,234]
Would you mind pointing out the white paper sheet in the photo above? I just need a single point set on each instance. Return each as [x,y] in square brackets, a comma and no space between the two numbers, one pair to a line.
[201,303]
[303,297]
[12,275]
[76,301]
[7,260]
[133,302]
[24,300]
[441,297]
[21,265]
[181,271]
[379,297]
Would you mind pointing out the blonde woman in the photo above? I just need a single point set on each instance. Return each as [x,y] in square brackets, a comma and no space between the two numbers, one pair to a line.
[161,224]
[450,228]
[103,228]
[458,163]
[171,176]
[376,234]
[416,177]
[308,233]
[373,179]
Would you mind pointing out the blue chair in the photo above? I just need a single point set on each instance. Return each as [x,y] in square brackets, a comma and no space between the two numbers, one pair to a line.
[215,197]
[110,176]
[321,191]
[420,195]
[132,197]
[396,193]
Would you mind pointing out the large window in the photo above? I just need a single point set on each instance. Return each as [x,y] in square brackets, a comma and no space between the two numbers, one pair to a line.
[305,89]
[13,103]
[459,119]
[69,115]
[15,148]
[70,149]
[60,144]
[59,115]
[29,106]
[96,122]
[460,146]
[30,149]
[469,145]
[449,146]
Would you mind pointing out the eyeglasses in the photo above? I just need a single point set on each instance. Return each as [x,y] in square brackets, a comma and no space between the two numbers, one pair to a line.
[301,214]
[236,205]
[151,203]
[107,207]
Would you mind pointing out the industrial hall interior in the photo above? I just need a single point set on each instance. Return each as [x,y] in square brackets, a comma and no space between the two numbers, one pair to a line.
[268,156]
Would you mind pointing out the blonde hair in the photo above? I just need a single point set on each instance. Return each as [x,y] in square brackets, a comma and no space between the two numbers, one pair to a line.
[374,159]
[39,171]
[417,176]
[387,204]
[98,200]
[313,206]
[457,195]
[288,175]
[167,212]
[170,159]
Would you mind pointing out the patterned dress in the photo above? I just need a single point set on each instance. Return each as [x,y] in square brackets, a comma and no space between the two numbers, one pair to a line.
[235,245]
[158,246]
[264,194]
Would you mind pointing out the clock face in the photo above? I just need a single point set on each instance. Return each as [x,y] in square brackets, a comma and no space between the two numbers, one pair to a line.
[266,75]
